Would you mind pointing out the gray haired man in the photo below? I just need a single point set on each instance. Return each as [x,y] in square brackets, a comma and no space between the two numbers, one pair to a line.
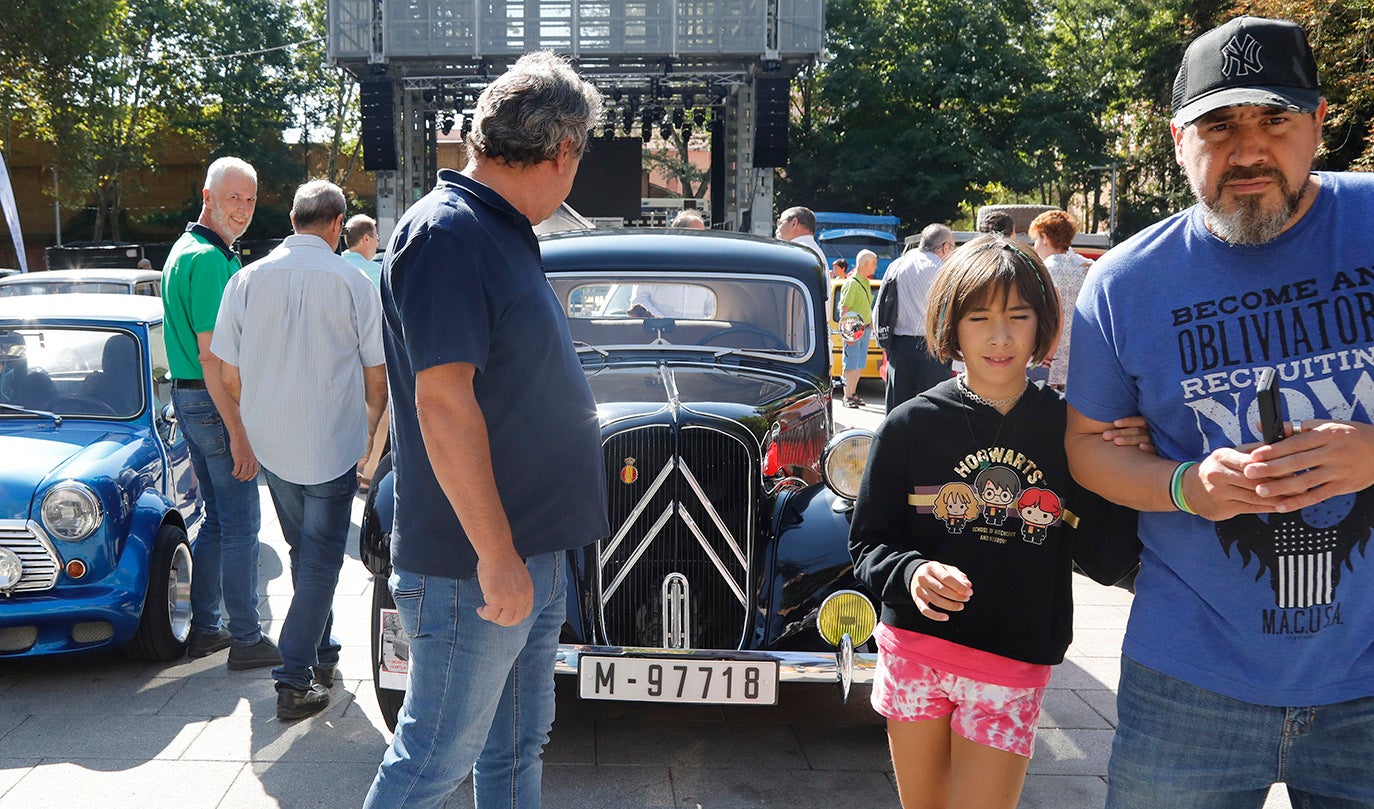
[496,445]
[300,344]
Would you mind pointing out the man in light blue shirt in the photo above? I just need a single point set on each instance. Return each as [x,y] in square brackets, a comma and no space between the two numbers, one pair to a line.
[360,236]
[299,336]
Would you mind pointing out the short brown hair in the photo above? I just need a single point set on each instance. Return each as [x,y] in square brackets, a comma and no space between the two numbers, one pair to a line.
[1057,227]
[987,266]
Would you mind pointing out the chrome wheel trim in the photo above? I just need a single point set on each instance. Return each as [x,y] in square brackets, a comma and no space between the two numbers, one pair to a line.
[179,594]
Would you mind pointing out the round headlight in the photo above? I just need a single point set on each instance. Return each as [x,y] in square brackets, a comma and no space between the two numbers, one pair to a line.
[71,511]
[844,462]
[846,612]
[11,570]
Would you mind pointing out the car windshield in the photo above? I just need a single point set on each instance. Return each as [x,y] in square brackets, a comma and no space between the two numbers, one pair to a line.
[45,287]
[652,310]
[71,371]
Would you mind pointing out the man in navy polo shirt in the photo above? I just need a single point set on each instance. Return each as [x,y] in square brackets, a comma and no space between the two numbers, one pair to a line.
[497,449]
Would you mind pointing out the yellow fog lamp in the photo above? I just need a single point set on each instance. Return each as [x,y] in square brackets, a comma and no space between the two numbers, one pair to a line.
[846,619]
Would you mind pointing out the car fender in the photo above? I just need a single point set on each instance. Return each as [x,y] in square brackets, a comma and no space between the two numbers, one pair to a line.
[810,560]
[374,540]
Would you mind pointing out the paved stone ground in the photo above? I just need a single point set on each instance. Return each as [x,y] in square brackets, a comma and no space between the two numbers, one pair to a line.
[192,734]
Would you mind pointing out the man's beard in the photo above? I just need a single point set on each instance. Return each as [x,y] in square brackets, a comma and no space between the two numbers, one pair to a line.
[1248,222]
[223,224]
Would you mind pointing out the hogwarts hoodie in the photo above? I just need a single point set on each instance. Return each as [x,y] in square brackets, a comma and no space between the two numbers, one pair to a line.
[955,481]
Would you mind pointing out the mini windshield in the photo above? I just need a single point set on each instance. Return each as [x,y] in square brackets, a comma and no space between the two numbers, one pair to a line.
[653,310]
[71,372]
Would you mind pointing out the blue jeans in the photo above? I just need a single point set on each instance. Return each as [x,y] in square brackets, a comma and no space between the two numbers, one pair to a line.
[315,519]
[225,554]
[1184,747]
[478,692]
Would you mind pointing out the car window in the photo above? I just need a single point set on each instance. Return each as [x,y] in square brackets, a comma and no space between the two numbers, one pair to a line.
[628,310]
[162,377]
[71,371]
[47,287]
[146,288]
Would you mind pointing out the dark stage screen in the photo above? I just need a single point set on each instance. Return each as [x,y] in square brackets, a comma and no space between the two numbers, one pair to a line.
[609,180]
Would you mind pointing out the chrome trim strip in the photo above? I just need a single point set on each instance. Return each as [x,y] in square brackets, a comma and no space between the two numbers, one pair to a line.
[638,510]
[793,667]
[677,614]
[644,544]
[26,534]
[714,557]
[715,515]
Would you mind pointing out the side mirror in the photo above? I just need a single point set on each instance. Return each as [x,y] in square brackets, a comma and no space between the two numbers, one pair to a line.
[167,423]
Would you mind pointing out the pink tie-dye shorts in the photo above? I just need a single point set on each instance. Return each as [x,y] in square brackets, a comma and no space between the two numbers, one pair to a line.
[997,716]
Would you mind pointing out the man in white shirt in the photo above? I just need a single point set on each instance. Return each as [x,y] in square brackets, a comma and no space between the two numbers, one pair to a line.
[911,369]
[299,337]
[360,236]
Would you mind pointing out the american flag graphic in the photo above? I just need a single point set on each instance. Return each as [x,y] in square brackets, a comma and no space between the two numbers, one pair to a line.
[1305,565]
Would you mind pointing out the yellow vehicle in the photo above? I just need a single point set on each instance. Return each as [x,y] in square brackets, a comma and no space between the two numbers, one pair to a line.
[875,354]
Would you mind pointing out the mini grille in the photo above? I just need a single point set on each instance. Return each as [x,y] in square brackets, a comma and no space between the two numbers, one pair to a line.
[687,509]
[40,560]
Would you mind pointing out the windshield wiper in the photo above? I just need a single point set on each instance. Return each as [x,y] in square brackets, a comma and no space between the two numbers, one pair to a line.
[56,419]
[578,344]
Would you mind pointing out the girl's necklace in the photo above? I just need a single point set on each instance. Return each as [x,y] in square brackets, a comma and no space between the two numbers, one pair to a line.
[996,404]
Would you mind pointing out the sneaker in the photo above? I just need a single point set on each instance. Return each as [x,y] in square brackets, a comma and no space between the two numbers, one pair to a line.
[293,703]
[260,655]
[324,676]
[201,644]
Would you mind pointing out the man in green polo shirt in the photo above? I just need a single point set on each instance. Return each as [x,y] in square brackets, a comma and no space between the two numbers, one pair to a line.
[225,553]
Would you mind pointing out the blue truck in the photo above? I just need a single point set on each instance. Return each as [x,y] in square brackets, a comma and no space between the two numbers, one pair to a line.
[843,235]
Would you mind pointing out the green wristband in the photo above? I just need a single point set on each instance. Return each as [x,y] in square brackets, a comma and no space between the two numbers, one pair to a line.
[1176,487]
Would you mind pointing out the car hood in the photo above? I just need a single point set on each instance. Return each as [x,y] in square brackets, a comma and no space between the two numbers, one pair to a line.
[40,453]
[730,392]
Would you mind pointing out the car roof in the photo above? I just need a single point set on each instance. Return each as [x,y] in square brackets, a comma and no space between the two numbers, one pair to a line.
[81,306]
[90,274]
[671,249]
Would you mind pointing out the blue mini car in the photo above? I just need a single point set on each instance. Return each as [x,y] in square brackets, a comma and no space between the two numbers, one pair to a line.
[98,502]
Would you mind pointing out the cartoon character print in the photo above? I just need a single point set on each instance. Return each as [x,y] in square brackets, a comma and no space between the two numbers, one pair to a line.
[1305,551]
[997,487]
[956,504]
[1039,509]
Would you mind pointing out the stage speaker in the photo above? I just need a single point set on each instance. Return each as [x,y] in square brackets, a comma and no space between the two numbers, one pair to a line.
[771,102]
[379,125]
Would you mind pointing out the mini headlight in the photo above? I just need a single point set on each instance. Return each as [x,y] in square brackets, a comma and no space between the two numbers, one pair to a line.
[846,612]
[71,511]
[11,570]
[844,462]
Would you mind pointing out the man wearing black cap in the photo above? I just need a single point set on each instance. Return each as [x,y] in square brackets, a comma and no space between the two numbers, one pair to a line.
[1249,657]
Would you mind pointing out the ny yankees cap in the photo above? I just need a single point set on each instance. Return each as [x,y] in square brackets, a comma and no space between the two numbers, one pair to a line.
[1249,61]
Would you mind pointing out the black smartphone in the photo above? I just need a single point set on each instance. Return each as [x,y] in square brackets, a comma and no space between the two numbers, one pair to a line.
[1270,405]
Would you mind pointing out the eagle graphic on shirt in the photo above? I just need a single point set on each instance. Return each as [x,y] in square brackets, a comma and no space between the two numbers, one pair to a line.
[1303,552]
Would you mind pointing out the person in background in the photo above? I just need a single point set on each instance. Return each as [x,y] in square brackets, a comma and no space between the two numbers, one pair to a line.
[300,331]
[360,237]
[1052,234]
[856,304]
[144,264]
[975,612]
[839,269]
[497,449]
[999,222]
[798,225]
[225,554]
[911,366]
[1249,656]
[689,218]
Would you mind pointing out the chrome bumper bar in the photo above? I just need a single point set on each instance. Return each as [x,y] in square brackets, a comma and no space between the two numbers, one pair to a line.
[793,667]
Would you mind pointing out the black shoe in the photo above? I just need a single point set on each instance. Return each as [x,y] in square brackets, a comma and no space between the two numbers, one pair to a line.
[260,655]
[324,676]
[201,644]
[293,703]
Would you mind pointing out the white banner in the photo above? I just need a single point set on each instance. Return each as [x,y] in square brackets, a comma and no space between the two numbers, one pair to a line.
[12,215]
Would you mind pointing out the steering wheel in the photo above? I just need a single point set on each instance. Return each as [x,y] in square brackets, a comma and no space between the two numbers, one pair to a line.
[776,341]
[85,405]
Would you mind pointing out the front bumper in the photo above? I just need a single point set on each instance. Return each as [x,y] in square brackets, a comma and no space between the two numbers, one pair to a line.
[793,667]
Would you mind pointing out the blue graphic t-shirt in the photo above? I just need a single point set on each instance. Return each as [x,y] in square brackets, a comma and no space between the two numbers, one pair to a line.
[1273,609]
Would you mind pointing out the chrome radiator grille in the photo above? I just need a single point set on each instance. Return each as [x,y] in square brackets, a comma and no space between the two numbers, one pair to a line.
[681,501]
[35,552]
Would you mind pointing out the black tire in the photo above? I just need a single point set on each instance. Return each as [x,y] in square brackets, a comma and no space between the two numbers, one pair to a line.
[389,700]
[166,622]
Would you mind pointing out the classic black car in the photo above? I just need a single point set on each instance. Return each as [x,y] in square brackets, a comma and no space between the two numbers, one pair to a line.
[727,570]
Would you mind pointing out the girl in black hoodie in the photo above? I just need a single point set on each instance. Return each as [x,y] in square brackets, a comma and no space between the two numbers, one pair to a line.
[977,602]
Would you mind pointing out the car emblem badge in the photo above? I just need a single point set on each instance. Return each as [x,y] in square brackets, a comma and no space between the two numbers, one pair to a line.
[628,473]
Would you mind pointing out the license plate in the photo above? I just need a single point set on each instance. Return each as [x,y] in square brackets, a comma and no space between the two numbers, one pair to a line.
[682,679]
